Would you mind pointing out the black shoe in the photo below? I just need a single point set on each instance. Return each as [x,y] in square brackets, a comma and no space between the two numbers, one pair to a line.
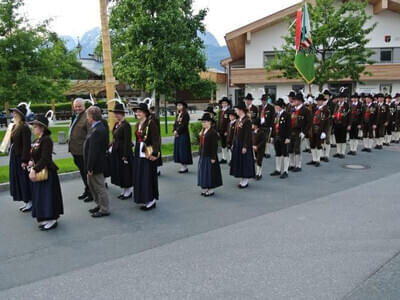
[223,161]
[126,197]
[243,186]
[209,194]
[94,210]
[120,196]
[26,210]
[364,150]
[44,228]
[183,171]
[317,164]
[158,173]
[100,214]
[83,196]
[258,177]
[275,173]
[341,156]
[333,146]
[88,199]
[386,144]
[337,155]
[369,150]
[307,151]
[377,147]
[310,163]
[203,193]
[284,175]
[296,170]
[106,185]
[324,159]
[145,208]
[268,156]
[291,168]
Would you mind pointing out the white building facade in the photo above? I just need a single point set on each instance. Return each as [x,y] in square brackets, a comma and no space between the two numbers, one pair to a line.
[252,45]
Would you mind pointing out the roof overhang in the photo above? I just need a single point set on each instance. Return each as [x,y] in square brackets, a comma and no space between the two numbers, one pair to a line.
[237,39]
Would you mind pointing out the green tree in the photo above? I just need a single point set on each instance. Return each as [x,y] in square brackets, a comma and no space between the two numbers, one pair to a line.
[340,37]
[156,46]
[36,63]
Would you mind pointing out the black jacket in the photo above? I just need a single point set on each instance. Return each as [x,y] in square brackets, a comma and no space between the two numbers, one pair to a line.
[150,134]
[181,125]
[269,114]
[122,139]
[95,147]
[282,126]
[243,132]
[356,114]
[223,122]
[209,144]
[42,151]
[21,141]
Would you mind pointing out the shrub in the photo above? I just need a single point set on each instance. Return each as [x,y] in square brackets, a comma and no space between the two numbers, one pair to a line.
[195,128]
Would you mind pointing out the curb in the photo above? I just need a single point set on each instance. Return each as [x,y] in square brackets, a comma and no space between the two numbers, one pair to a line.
[73,175]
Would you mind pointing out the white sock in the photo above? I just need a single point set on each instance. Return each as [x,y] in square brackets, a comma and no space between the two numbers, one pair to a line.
[230,155]
[328,151]
[298,160]
[49,224]
[150,204]
[224,153]
[278,163]
[355,145]
[158,169]
[28,205]
[210,192]
[128,191]
[365,142]
[344,149]
[292,162]
[268,149]
[313,154]
[244,181]
[318,154]
[307,143]
[286,164]
[183,167]
[338,148]
[258,170]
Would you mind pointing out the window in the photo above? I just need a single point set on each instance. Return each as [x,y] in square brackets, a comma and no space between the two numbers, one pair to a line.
[271,91]
[298,87]
[268,56]
[386,55]
[386,88]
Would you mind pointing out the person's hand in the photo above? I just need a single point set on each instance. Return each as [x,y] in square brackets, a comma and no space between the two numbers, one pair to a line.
[323,136]
[386,124]
[287,141]
[30,163]
[302,135]
[374,126]
[24,165]
[225,134]
[244,150]
[255,148]
[175,133]
[213,161]
[348,128]
[90,173]
[271,140]
[32,175]
[153,158]
[359,126]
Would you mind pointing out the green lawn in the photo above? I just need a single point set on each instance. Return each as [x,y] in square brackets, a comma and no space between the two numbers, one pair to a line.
[66,165]
[134,120]
[54,133]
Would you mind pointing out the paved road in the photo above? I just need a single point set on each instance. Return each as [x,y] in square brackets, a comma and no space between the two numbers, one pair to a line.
[331,233]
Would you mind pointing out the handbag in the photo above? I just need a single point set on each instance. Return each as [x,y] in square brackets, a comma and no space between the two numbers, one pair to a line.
[43,175]
[148,150]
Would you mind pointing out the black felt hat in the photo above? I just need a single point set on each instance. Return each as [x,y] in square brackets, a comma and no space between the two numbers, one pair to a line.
[249,96]
[299,96]
[142,107]
[43,122]
[225,99]
[206,117]
[181,102]
[118,108]
[210,110]
[280,102]
[242,106]
[292,94]
[21,110]
[256,122]
[320,98]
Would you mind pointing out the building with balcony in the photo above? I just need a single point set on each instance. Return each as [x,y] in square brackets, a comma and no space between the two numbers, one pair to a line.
[251,46]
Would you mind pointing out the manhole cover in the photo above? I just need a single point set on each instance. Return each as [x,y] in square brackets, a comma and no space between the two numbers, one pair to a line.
[356,167]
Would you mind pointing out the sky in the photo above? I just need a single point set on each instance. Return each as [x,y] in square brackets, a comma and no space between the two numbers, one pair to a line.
[75,17]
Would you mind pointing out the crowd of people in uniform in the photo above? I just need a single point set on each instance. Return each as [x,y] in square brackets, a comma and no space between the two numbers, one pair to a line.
[245,133]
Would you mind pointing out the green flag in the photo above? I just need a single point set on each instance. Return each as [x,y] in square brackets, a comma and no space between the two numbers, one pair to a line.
[305,58]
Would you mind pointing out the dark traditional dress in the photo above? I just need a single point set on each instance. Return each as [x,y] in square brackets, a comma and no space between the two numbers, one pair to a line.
[182,146]
[320,124]
[156,120]
[209,174]
[242,165]
[20,185]
[47,202]
[145,179]
[340,121]
[260,141]
[355,119]
[122,170]
[222,126]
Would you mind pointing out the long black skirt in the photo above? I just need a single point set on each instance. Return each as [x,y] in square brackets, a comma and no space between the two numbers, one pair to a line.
[145,181]
[20,185]
[208,174]
[47,201]
[183,150]
[121,173]
[242,165]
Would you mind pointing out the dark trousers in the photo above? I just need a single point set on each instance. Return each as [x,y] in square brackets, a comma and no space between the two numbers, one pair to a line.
[281,149]
[78,161]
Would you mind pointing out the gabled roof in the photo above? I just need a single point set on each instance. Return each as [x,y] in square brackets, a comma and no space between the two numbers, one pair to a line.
[236,40]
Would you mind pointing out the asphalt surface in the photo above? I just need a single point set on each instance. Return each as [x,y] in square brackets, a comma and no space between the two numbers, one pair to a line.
[327,233]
